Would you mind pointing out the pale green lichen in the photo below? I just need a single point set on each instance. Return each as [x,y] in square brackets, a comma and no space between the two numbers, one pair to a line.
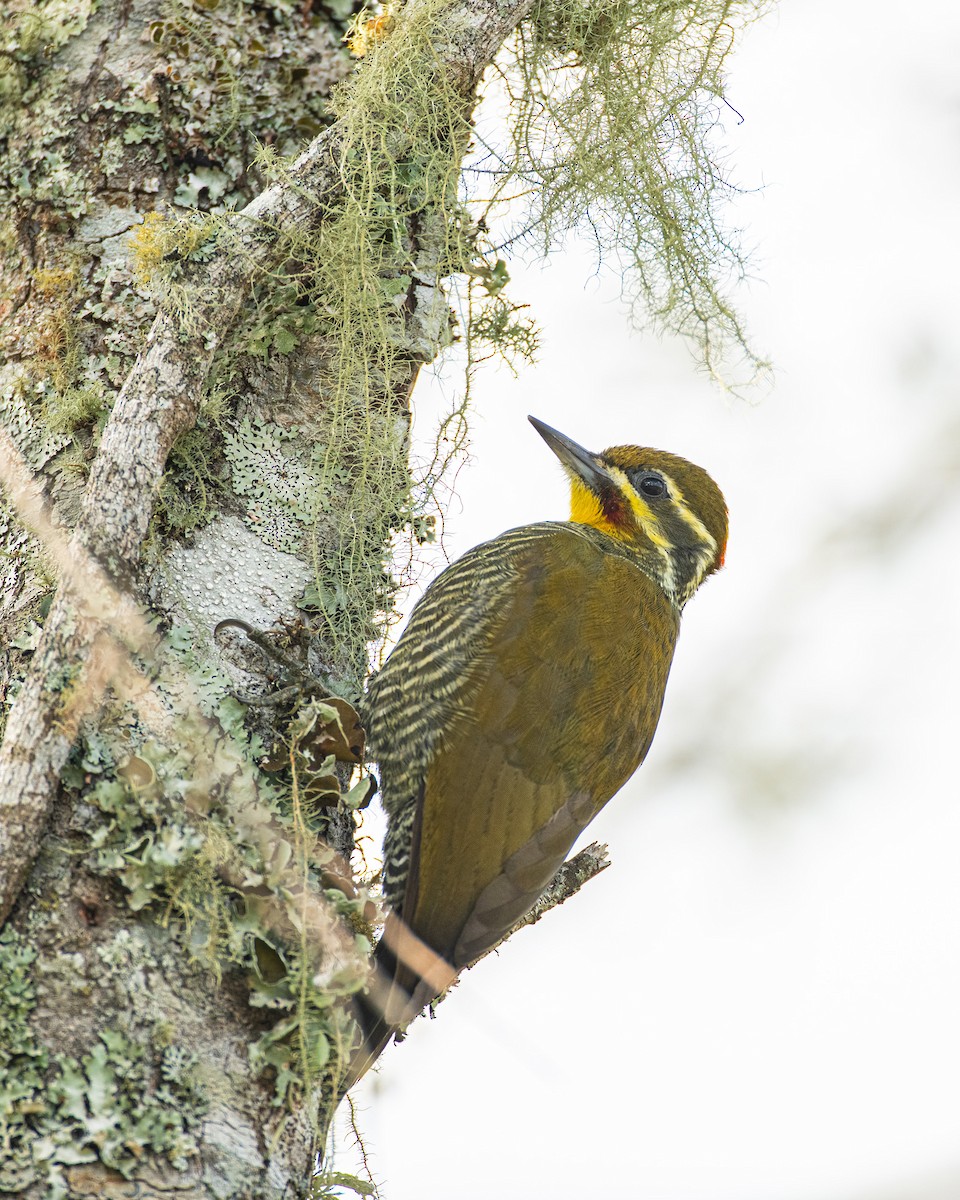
[23,1062]
[37,442]
[114,1104]
[280,484]
[179,849]
[192,124]
[117,1103]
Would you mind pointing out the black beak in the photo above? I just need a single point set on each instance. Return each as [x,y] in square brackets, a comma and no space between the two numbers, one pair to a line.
[586,466]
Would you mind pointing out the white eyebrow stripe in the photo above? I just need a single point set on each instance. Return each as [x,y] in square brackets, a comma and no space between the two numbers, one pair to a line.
[687,513]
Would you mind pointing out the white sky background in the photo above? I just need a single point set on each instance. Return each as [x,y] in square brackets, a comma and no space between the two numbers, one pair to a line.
[760,1000]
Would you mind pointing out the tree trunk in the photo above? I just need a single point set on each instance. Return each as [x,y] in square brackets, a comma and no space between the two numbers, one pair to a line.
[170,962]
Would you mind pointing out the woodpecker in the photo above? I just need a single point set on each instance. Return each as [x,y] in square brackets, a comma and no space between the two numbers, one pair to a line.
[522,695]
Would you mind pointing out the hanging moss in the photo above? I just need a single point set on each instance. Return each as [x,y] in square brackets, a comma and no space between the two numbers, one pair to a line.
[612,130]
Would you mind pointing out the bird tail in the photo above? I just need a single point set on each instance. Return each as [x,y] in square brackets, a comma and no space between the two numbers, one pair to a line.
[407,975]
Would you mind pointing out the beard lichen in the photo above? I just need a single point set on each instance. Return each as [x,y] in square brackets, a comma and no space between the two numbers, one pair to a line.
[612,129]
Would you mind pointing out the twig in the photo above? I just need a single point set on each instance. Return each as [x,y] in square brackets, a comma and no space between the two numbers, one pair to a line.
[571,877]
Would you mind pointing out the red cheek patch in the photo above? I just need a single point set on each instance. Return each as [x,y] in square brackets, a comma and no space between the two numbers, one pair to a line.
[616,509]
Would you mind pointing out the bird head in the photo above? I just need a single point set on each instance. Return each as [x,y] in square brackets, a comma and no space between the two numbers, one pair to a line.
[669,508]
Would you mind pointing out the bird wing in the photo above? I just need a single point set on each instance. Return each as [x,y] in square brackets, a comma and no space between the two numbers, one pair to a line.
[542,666]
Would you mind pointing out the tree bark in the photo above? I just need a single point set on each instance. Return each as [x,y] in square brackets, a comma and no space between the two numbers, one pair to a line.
[153,1040]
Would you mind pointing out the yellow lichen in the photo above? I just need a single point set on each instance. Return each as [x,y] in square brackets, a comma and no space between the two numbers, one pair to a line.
[366,30]
[160,243]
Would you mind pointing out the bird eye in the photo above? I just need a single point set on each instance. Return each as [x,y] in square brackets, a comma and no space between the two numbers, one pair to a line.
[652,485]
